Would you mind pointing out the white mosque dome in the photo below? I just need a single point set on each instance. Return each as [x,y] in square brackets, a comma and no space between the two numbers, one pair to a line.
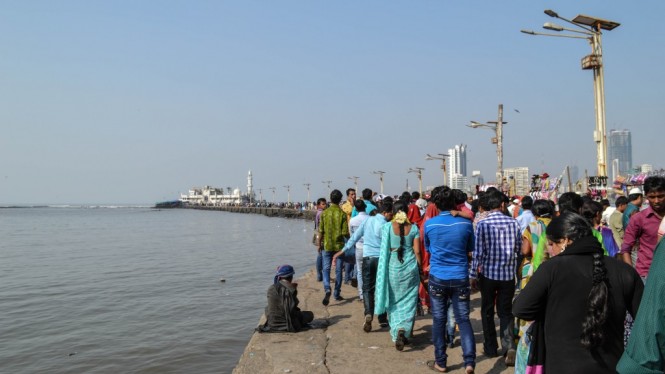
[236,191]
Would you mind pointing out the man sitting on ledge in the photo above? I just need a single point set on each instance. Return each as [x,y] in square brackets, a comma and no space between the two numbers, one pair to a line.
[282,312]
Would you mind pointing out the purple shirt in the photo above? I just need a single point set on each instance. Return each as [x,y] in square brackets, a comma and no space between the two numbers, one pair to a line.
[642,228]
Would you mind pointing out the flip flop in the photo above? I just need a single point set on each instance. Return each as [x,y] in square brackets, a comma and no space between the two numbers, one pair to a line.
[432,365]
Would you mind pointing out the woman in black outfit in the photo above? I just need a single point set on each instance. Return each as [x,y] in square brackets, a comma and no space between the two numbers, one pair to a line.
[581,298]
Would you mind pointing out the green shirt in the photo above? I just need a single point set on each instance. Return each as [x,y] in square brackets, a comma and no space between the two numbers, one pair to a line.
[645,352]
[334,228]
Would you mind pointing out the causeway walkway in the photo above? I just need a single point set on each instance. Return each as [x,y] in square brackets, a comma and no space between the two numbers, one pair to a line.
[338,345]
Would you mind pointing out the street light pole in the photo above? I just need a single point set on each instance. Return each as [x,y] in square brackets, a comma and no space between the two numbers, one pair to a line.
[442,157]
[288,193]
[419,172]
[497,127]
[594,61]
[273,194]
[328,183]
[307,186]
[380,173]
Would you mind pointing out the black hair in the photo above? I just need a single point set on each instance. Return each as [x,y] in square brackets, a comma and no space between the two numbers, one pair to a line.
[349,190]
[492,199]
[367,194]
[654,183]
[405,198]
[386,206]
[435,191]
[590,210]
[527,202]
[634,196]
[574,227]
[460,196]
[415,195]
[569,225]
[335,196]
[321,200]
[605,203]
[621,200]
[542,208]
[445,199]
[400,207]
[570,202]
[360,205]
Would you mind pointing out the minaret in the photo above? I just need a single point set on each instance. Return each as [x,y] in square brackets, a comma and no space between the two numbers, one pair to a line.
[249,185]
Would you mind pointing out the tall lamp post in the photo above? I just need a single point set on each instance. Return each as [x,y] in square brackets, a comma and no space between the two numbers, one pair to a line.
[355,182]
[497,127]
[273,194]
[288,193]
[380,173]
[307,187]
[419,173]
[594,61]
[327,183]
[442,157]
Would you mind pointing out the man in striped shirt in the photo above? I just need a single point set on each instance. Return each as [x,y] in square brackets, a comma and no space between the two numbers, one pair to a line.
[498,241]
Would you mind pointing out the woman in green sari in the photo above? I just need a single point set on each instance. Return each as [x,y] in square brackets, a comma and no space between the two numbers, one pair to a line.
[398,275]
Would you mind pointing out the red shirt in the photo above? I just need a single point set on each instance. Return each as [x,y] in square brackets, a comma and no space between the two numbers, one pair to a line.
[642,228]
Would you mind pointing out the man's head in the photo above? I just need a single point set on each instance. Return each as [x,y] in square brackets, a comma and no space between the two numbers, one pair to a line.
[367,194]
[527,202]
[285,272]
[351,195]
[360,205]
[445,199]
[321,203]
[570,202]
[335,196]
[460,196]
[386,208]
[415,195]
[635,196]
[654,190]
[492,200]
[621,203]
[605,204]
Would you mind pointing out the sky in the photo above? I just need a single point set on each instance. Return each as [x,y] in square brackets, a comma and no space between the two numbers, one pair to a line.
[134,102]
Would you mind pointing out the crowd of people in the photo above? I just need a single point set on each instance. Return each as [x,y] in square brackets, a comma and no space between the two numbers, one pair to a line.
[566,280]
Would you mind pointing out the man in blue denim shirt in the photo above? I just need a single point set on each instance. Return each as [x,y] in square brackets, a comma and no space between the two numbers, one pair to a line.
[449,239]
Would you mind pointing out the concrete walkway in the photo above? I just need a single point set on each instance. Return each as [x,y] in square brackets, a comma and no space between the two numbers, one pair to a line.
[338,344]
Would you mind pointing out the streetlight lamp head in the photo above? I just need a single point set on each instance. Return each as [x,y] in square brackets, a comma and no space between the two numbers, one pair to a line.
[551,13]
[552,26]
[474,124]
[530,32]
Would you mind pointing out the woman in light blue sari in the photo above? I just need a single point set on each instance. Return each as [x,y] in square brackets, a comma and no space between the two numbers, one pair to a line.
[398,275]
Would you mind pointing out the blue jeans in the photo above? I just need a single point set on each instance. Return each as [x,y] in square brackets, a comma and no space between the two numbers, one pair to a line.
[458,292]
[319,267]
[450,325]
[327,264]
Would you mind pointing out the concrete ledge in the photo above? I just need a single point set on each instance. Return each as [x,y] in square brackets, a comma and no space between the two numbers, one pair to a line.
[337,343]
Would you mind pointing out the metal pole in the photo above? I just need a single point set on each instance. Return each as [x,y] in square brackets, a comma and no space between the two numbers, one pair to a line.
[420,182]
[445,173]
[499,147]
[599,93]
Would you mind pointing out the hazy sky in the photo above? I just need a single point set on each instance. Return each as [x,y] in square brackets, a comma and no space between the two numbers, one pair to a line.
[133,102]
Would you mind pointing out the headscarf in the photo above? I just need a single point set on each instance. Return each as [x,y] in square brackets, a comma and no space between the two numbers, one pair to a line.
[283,272]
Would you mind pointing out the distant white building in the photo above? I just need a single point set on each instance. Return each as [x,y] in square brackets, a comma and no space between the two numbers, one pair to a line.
[645,168]
[457,177]
[212,196]
[520,180]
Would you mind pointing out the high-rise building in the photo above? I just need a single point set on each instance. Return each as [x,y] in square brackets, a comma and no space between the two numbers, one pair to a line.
[520,183]
[620,148]
[457,167]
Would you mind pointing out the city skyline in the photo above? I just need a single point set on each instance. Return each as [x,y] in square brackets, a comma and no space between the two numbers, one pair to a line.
[132,103]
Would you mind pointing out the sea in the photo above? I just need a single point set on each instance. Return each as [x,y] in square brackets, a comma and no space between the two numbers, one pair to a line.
[125,289]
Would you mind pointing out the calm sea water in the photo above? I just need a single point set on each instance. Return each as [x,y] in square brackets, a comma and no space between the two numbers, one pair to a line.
[137,290]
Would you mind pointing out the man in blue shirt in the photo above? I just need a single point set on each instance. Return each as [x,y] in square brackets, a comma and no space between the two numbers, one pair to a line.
[370,232]
[498,241]
[449,240]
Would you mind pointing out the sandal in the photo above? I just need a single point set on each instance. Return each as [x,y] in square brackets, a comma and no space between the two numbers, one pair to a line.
[399,343]
[432,365]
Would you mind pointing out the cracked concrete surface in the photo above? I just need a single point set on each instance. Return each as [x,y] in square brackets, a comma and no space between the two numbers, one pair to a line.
[337,343]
